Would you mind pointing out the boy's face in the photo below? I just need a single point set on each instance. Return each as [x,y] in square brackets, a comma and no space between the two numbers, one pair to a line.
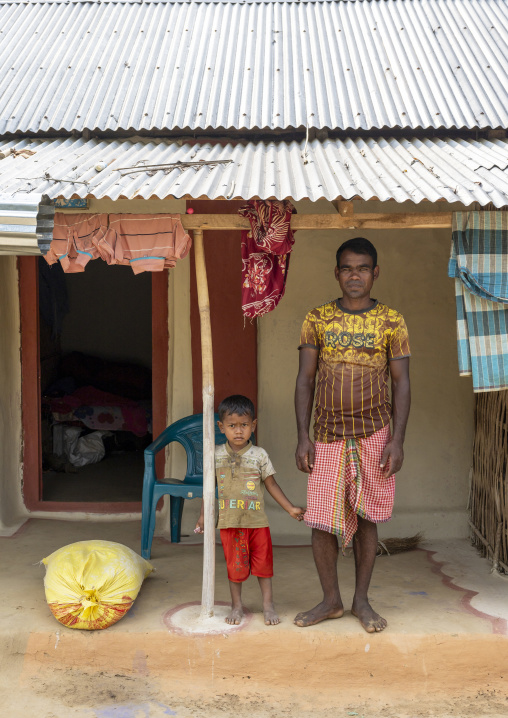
[238,429]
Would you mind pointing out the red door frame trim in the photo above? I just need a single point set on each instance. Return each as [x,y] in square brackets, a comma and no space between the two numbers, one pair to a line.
[160,349]
[31,395]
[30,381]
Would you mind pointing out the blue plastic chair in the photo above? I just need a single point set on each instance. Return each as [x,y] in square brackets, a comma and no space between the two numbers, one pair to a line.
[189,433]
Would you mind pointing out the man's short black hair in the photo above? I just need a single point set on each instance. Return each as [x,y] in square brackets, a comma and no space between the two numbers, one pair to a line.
[236,404]
[358,245]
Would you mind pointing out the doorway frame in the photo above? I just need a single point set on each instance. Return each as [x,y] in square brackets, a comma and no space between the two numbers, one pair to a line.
[28,274]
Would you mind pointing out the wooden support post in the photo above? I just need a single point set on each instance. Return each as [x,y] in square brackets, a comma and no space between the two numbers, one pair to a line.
[490,550]
[497,546]
[207,597]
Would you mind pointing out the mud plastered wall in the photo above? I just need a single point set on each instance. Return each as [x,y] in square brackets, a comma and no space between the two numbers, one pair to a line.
[432,487]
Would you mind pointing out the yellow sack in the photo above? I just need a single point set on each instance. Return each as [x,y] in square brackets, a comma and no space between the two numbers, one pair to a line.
[92,584]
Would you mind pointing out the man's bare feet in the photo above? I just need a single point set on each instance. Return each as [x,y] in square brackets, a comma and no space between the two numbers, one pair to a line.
[371,621]
[270,615]
[234,617]
[319,613]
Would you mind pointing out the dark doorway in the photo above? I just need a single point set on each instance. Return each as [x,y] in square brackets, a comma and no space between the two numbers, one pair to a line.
[100,343]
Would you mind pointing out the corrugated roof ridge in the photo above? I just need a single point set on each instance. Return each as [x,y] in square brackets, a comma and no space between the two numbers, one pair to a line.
[414,169]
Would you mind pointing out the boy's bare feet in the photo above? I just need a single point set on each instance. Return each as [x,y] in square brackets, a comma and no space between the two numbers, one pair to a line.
[371,621]
[270,615]
[234,617]
[319,613]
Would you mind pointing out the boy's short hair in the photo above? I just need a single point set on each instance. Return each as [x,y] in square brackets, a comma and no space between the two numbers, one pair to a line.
[236,404]
[358,245]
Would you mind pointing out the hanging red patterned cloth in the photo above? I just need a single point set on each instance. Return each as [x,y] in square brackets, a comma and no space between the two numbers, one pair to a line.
[265,254]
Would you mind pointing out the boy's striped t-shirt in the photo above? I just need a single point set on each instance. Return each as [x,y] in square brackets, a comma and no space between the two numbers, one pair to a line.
[352,398]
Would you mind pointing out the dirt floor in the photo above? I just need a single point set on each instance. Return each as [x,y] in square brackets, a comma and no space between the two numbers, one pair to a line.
[70,693]
[445,652]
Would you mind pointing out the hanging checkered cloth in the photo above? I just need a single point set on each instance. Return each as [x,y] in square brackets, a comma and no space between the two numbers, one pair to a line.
[347,482]
[265,255]
[479,264]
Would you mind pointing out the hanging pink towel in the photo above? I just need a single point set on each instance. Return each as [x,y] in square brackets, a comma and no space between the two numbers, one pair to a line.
[265,255]
[148,243]
[75,240]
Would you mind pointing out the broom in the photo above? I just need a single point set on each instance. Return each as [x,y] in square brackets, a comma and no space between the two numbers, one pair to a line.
[398,545]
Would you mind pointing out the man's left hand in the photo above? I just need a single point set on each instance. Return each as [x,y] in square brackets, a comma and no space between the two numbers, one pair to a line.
[392,458]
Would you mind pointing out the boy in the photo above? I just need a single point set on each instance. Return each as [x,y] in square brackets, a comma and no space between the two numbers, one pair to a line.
[241,470]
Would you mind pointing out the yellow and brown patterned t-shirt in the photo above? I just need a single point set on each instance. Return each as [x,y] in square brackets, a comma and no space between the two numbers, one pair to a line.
[352,399]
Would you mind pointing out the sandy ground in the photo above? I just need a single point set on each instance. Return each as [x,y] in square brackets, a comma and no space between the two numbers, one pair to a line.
[71,693]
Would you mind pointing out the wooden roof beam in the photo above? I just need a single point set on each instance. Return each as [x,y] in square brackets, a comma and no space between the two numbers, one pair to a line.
[371,220]
[345,209]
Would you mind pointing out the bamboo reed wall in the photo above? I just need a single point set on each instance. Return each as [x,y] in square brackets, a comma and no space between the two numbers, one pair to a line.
[488,500]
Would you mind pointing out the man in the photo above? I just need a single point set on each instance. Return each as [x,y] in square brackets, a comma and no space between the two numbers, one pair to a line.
[353,344]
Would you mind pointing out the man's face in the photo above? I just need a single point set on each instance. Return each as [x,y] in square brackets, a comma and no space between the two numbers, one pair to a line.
[356,274]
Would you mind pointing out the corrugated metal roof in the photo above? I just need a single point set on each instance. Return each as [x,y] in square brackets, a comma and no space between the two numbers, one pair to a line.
[202,2]
[455,170]
[197,2]
[26,224]
[160,65]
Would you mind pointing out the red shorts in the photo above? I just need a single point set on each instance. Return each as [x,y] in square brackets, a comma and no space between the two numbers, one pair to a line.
[247,551]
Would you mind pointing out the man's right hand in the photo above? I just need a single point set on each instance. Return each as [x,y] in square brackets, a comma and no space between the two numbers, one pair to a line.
[305,455]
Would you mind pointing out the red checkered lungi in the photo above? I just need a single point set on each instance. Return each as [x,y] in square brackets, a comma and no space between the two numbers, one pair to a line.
[347,482]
